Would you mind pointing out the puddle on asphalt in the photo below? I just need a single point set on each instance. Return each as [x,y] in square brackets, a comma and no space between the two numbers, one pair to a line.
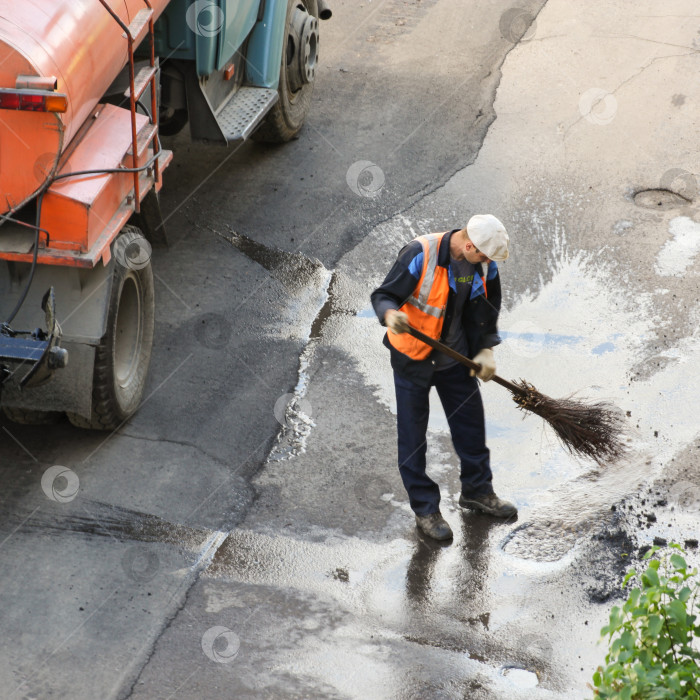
[558,339]
[410,593]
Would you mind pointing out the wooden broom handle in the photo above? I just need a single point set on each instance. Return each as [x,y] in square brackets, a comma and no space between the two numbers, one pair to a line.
[437,345]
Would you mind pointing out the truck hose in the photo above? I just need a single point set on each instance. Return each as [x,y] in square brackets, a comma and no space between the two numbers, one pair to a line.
[25,291]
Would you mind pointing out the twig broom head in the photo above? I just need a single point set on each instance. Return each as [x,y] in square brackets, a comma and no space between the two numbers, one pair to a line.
[589,430]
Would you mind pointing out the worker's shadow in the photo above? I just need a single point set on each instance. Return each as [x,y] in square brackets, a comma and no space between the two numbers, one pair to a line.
[466,560]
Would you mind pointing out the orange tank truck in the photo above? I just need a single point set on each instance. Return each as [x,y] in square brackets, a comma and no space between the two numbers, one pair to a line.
[84,87]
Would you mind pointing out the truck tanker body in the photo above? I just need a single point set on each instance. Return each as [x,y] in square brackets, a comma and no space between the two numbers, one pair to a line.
[86,88]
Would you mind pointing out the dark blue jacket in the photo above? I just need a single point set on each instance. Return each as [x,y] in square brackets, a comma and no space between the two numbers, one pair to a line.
[479,316]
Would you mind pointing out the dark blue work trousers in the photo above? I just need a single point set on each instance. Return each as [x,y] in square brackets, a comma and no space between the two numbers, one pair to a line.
[461,400]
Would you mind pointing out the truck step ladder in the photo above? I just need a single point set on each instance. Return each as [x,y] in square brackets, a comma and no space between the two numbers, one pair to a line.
[244,111]
[141,24]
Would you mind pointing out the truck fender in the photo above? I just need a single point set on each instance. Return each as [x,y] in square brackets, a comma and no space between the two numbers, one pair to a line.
[265,46]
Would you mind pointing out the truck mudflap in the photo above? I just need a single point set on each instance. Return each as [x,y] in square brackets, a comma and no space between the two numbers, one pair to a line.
[35,354]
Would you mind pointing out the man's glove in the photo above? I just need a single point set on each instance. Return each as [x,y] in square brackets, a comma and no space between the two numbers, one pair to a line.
[488,365]
[397,321]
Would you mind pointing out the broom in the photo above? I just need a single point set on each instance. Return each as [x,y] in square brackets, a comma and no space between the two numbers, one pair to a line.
[589,430]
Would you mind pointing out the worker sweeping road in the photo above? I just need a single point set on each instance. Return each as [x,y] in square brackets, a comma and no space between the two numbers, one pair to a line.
[447,286]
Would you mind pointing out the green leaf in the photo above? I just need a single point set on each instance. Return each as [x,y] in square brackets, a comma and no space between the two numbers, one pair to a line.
[651,552]
[675,682]
[615,617]
[627,640]
[625,656]
[678,634]
[645,657]
[654,626]
[634,597]
[664,645]
[650,577]
[677,612]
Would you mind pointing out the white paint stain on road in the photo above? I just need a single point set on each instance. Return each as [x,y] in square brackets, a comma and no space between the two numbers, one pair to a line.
[679,252]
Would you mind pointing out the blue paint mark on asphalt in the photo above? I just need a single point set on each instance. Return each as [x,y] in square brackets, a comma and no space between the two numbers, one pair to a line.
[603,348]
[366,313]
[542,338]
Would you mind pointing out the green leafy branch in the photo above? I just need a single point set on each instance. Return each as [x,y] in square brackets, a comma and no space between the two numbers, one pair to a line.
[654,638]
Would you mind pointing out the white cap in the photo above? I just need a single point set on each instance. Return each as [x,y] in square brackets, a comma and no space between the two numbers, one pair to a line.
[489,235]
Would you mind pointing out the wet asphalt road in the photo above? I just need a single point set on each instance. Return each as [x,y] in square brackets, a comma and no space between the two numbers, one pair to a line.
[246,534]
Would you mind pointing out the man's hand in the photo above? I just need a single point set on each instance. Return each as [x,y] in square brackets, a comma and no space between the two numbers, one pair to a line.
[488,365]
[397,321]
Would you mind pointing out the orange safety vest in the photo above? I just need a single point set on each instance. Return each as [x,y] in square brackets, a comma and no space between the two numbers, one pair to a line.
[425,308]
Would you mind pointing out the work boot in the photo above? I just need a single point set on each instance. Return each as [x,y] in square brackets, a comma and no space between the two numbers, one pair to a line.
[488,503]
[435,526]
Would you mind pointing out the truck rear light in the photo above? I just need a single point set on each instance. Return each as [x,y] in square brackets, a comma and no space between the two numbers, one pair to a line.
[56,103]
[33,100]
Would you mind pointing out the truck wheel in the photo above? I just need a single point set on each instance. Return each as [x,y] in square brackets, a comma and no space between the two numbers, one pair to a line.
[297,72]
[171,121]
[123,356]
[28,416]
[172,101]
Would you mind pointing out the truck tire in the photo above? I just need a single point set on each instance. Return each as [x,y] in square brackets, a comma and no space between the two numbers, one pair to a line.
[171,121]
[123,356]
[29,416]
[297,72]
